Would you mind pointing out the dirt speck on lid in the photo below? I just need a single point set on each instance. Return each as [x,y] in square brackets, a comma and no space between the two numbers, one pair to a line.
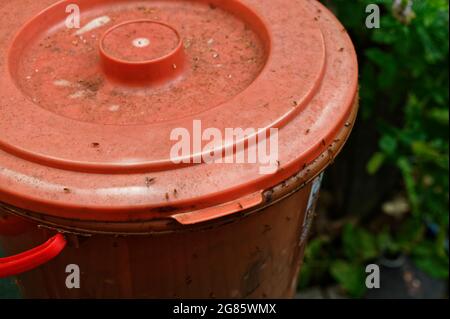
[149,181]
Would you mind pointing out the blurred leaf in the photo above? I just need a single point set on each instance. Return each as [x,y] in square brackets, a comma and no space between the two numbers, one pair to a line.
[422,149]
[440,115]
[375,163]
[388,144]
[359,244]
[316,261]
[407,171]
[432,52]
[351,277]
[386,244]
[410,234]
[387,66]
[426,257]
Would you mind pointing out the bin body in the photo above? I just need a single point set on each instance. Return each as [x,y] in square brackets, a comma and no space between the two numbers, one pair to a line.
[254,256]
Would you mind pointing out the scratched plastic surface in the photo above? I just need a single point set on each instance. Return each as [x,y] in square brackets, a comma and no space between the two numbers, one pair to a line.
[81,141]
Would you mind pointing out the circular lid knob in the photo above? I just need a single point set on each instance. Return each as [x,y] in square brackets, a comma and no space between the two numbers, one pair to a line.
[142,51]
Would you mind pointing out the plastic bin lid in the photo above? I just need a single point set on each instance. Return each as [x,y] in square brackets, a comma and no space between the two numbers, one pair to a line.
[93,117]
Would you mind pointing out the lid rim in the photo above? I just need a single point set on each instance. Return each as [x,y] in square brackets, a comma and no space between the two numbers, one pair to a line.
[320,164]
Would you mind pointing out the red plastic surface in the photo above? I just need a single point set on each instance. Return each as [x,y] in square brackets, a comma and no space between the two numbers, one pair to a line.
[29,260]
[81,136]
[11,225]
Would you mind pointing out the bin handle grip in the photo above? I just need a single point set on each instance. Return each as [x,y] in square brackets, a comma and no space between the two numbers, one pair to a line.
[31,259]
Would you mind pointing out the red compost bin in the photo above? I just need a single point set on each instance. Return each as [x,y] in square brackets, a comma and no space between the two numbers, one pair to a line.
[167,148]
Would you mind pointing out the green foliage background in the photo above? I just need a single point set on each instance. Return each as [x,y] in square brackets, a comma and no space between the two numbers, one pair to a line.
[405,89]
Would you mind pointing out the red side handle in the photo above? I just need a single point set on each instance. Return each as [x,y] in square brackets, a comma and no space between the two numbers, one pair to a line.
[15,265]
